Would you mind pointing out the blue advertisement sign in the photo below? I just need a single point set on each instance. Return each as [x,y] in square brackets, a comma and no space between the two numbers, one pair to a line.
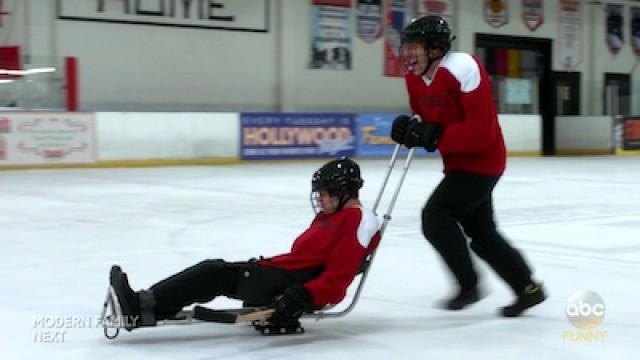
[296,135]
[372,134]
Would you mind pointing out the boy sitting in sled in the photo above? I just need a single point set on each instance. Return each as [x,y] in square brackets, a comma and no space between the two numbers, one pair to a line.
[323,261]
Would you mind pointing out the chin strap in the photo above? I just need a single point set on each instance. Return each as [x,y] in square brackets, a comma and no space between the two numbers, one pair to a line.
[343,200]
[430,62]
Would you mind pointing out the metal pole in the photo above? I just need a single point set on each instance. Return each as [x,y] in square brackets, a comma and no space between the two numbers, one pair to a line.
[392,162]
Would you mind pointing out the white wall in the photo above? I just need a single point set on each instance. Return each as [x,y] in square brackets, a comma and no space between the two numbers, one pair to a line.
[143,67]
[364,88]
[13,24]
[471,22]
[136,67]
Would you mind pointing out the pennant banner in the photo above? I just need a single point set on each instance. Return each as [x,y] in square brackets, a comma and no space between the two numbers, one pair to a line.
[569,39]
[443,8]
[396,17]
[369,20]
[496,12]
[331,37]
[615,20]
[532,13]
[635,29]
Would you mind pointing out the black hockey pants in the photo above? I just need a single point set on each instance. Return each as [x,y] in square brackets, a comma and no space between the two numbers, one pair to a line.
[464,200]
[204,281]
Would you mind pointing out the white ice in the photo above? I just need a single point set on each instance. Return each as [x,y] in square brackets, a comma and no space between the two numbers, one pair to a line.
[577,221]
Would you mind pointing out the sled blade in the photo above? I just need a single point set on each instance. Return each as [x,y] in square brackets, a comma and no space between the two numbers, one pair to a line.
[231,316]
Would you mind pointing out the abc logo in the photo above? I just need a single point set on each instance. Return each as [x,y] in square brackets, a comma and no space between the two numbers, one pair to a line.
[585,309]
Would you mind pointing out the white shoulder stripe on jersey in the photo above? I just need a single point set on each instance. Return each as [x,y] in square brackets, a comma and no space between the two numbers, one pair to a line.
[367,228]
[464,68]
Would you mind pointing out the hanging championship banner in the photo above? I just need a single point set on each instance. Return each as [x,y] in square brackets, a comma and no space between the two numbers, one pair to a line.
[331,35]
[496,12]
[443,8]
[635,29]
[569,39]
[369,19]
[532,14]
[397,15]
[615,20]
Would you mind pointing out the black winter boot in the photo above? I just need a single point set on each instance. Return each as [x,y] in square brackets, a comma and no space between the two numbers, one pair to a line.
[463,299]
[137,307]
[128,299]
[533,294]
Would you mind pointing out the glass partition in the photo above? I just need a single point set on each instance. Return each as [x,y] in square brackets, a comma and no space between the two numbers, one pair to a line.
[38,85]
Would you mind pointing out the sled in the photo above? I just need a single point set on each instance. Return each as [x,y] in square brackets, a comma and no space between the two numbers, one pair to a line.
[113,320]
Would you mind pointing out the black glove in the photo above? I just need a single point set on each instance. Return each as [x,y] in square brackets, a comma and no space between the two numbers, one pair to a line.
[294,301]
[399,128]
[423,134]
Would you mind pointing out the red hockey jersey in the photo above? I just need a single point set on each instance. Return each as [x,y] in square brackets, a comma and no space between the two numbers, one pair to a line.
[459,97]
[337,244]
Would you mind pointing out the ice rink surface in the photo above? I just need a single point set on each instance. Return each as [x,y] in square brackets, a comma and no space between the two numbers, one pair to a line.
[576,219]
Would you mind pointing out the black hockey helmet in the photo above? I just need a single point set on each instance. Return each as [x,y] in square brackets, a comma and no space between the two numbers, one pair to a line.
[432,31]
[340,178]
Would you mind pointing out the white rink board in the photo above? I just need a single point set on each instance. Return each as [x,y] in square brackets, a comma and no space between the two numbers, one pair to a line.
[144,136]
[522,133]
[584,133]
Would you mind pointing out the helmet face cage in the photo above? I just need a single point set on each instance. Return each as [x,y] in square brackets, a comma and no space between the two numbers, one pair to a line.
[340,178]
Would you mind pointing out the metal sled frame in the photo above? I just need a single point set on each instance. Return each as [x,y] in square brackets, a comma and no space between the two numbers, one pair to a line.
[112,318]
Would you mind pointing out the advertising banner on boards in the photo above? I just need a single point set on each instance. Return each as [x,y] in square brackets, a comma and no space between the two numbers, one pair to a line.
[46,138]
[296,135]
[373,140]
